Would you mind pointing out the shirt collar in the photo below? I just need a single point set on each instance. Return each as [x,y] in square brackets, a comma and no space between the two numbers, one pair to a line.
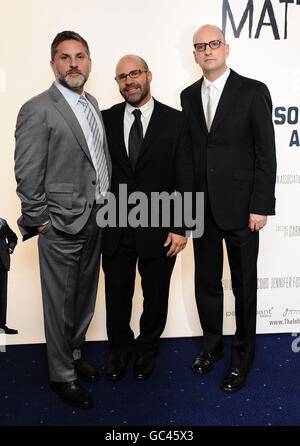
[219,83]
[70,96]
[146,109]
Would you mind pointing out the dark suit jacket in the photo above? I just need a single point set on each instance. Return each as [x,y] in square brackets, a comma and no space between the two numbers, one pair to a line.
[56,179]
[8,240]
[235,163]
[164,164]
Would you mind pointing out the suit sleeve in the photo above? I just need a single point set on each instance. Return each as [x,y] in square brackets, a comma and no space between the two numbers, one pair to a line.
[30,165]
[263,199]
[184,173]
[11,237]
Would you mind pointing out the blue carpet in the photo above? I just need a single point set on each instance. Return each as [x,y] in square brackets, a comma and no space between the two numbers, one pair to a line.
[173,396]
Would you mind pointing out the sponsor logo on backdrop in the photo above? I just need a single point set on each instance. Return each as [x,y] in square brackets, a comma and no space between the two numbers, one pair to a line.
[285,282]
[266,312]
[257,15]
[288,230]
[266,283]
[292,317]
[288,178]
[288,116]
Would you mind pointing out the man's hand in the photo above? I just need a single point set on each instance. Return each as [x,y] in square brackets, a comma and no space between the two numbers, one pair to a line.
[257,222]
[40,228]
[178,242]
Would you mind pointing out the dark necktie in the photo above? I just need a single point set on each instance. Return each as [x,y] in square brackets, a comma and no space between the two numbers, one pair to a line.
[135,138]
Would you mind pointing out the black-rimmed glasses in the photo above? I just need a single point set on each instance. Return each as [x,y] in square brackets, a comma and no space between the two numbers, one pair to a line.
[213,44]
[132,74]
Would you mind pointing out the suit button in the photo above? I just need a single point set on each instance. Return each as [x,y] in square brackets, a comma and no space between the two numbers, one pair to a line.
[94,182]
[90,206]
[211,170]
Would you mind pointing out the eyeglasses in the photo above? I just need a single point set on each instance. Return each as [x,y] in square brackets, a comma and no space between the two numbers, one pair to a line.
[213,44]
[132,74]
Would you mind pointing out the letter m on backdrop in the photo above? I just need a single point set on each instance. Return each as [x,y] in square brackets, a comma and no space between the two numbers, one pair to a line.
[227,12]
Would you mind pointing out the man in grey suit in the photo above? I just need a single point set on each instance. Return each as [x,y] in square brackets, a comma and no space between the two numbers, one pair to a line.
[62,168]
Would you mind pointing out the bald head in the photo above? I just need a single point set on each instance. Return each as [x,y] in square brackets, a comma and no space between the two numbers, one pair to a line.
[213,28]
[132,58]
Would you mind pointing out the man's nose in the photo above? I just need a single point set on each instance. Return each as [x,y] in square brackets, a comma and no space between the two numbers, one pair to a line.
[73,62]
[207,50]
[128,81]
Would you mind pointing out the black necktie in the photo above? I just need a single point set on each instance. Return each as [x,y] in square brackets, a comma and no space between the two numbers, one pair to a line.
[135,138]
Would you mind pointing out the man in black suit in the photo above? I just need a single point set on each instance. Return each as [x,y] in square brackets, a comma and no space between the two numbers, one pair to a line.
[150,153]
[230,119]
[8,241]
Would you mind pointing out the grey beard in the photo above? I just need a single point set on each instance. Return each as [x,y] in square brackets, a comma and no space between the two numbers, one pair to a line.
[71,86]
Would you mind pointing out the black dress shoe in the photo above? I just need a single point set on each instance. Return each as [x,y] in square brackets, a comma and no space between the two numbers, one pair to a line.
[85,371]
[117,365]
[72,393]
[143,367]
[234,380]
[205,362]
[7,330]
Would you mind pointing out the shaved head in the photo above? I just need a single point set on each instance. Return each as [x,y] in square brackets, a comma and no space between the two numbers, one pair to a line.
[208,27]
[133,58]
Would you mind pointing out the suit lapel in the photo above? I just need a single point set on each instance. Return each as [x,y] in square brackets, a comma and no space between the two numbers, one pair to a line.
[154,128]
[117,147]
[197,105]
[227,100]
[68,115]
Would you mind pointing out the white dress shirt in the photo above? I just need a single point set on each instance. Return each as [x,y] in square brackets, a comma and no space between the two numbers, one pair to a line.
[219,85]
[146,112]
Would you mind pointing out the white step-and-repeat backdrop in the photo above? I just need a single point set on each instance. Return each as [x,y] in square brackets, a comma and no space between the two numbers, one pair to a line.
[263,36]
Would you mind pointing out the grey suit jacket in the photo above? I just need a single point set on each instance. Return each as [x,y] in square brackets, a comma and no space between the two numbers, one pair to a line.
[55,176]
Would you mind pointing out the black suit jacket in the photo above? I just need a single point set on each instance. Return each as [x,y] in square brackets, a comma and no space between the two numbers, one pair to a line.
[235,163]
[8,240]
[164,164]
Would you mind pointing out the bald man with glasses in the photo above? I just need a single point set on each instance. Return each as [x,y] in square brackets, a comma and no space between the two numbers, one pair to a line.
[150,152]
[230,119]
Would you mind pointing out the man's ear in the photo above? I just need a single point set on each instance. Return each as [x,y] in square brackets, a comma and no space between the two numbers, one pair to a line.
[52,66]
